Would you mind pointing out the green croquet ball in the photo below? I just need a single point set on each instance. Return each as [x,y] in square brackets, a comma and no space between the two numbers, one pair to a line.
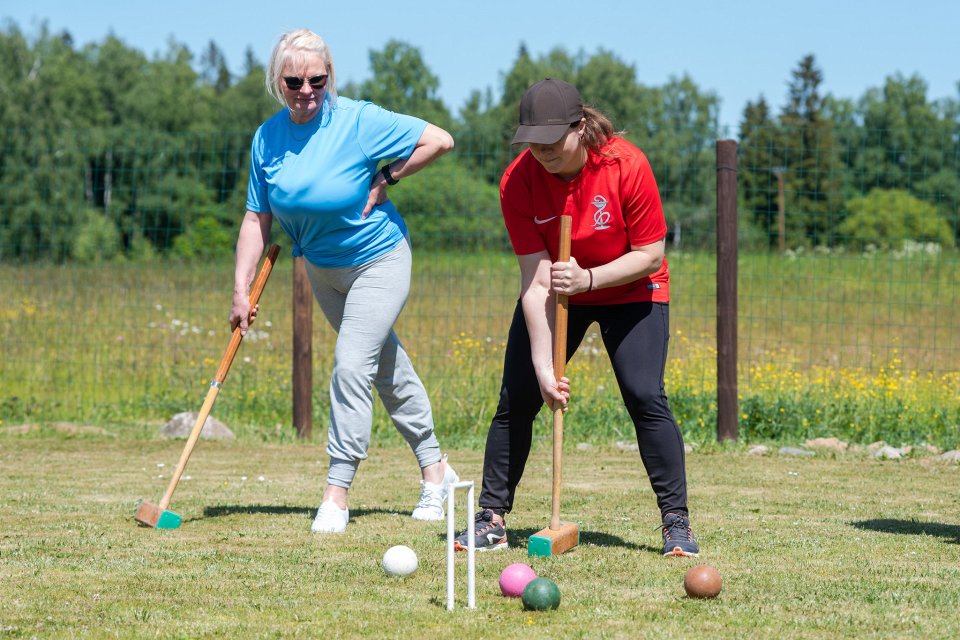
[541,594]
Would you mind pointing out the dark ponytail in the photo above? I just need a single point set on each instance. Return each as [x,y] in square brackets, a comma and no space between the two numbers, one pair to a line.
[597,129]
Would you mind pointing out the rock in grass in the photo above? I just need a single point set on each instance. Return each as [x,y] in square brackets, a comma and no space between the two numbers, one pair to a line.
[834,444]
[950,456]
[758,450]
[181,425]
[888,453]
[794,451]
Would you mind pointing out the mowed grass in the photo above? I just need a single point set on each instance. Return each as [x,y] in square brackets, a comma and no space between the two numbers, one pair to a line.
[823,547]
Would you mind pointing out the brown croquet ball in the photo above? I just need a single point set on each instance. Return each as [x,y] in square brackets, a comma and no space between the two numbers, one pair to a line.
[702,581]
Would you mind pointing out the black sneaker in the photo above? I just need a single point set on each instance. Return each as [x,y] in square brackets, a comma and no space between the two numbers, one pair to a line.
[488,535]
[678,537]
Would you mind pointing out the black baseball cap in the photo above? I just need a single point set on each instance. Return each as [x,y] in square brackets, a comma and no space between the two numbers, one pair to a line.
[547,110]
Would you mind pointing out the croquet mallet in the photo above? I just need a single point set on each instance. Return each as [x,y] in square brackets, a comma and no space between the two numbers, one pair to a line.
[157,515]
[559,537]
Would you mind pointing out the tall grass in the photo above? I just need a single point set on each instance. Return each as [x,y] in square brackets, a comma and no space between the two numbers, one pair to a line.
[862,347]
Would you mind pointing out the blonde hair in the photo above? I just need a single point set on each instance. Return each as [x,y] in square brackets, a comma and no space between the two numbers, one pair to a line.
[294,46]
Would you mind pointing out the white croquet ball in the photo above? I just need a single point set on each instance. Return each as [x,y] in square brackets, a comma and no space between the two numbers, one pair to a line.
[399,561]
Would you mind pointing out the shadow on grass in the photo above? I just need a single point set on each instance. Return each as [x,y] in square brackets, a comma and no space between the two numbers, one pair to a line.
[308,512]
[601,539]
[520,537]
[597,538]
[911,528]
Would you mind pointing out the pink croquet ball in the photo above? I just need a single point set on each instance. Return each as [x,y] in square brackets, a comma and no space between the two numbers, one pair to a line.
[514,578]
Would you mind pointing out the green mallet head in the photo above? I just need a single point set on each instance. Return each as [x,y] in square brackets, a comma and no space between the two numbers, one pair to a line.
[552,542]
[150,515]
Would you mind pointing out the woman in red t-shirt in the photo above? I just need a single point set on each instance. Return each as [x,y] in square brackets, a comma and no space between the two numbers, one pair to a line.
[617,277]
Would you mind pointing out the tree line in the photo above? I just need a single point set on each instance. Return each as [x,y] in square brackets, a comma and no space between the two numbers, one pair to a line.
[109,154]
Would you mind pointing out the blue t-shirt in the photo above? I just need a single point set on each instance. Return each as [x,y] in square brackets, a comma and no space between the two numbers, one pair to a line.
[315,179]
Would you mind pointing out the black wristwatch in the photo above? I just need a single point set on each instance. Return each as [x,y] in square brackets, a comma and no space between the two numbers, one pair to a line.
[388,176]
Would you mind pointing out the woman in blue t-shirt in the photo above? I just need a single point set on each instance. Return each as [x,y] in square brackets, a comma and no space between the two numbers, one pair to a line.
[313,168]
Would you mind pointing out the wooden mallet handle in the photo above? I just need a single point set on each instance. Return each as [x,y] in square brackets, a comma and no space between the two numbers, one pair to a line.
[255,292]
[219,377]
[559,368]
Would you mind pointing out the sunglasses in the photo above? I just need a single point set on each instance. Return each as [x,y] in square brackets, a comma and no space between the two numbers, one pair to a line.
[295,84]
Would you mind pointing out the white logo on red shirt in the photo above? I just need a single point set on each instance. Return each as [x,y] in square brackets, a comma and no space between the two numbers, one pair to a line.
[544,221]
[601,217]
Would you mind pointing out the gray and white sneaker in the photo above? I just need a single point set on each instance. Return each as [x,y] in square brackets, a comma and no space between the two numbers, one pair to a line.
[678,538]
[433,496]
[487,534]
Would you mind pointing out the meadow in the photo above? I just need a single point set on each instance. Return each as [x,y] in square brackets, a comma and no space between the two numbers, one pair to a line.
[861,347]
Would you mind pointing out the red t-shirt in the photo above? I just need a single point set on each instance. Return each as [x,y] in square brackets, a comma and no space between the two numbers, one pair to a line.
[614,203]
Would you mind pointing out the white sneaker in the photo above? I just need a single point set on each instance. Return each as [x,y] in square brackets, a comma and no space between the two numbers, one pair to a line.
[432,496]
[330,518]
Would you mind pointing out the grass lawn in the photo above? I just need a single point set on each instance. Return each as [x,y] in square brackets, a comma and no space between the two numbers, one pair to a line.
[830,546]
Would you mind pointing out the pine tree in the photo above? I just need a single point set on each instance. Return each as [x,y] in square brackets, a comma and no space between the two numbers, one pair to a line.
[813,173]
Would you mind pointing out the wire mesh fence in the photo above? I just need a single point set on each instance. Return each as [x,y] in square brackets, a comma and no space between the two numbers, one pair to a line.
[116,271]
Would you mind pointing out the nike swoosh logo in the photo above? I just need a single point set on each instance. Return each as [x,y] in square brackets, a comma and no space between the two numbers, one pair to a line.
[539,221]
[492,537]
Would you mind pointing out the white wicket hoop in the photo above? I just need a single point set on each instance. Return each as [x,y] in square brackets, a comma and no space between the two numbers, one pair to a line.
[471,544]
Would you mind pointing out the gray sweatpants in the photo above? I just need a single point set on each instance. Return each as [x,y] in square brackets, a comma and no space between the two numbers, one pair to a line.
[362,304]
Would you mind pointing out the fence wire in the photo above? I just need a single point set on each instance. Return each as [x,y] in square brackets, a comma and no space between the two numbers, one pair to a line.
[116,274]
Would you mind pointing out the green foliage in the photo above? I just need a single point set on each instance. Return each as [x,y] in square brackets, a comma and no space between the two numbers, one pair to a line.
[206,238]
[150,167]
[481,137]
[811,164]
[154,166]
[402,82]
[751,236]
[142,250]
[905,137]
[943,189]
[556,63]
[175,104]
[679,142]
[244,106]
[97,238]
[885,218]
[610,85]
[831,150]
[761,167]
[446,207]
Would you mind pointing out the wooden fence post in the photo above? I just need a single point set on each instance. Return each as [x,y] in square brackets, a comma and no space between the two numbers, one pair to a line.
[302,350]
[727,428]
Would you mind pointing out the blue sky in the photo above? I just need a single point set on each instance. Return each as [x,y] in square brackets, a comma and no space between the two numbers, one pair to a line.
[738,49]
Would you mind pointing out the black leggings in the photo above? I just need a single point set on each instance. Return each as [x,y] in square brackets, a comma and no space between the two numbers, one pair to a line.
[635,336]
